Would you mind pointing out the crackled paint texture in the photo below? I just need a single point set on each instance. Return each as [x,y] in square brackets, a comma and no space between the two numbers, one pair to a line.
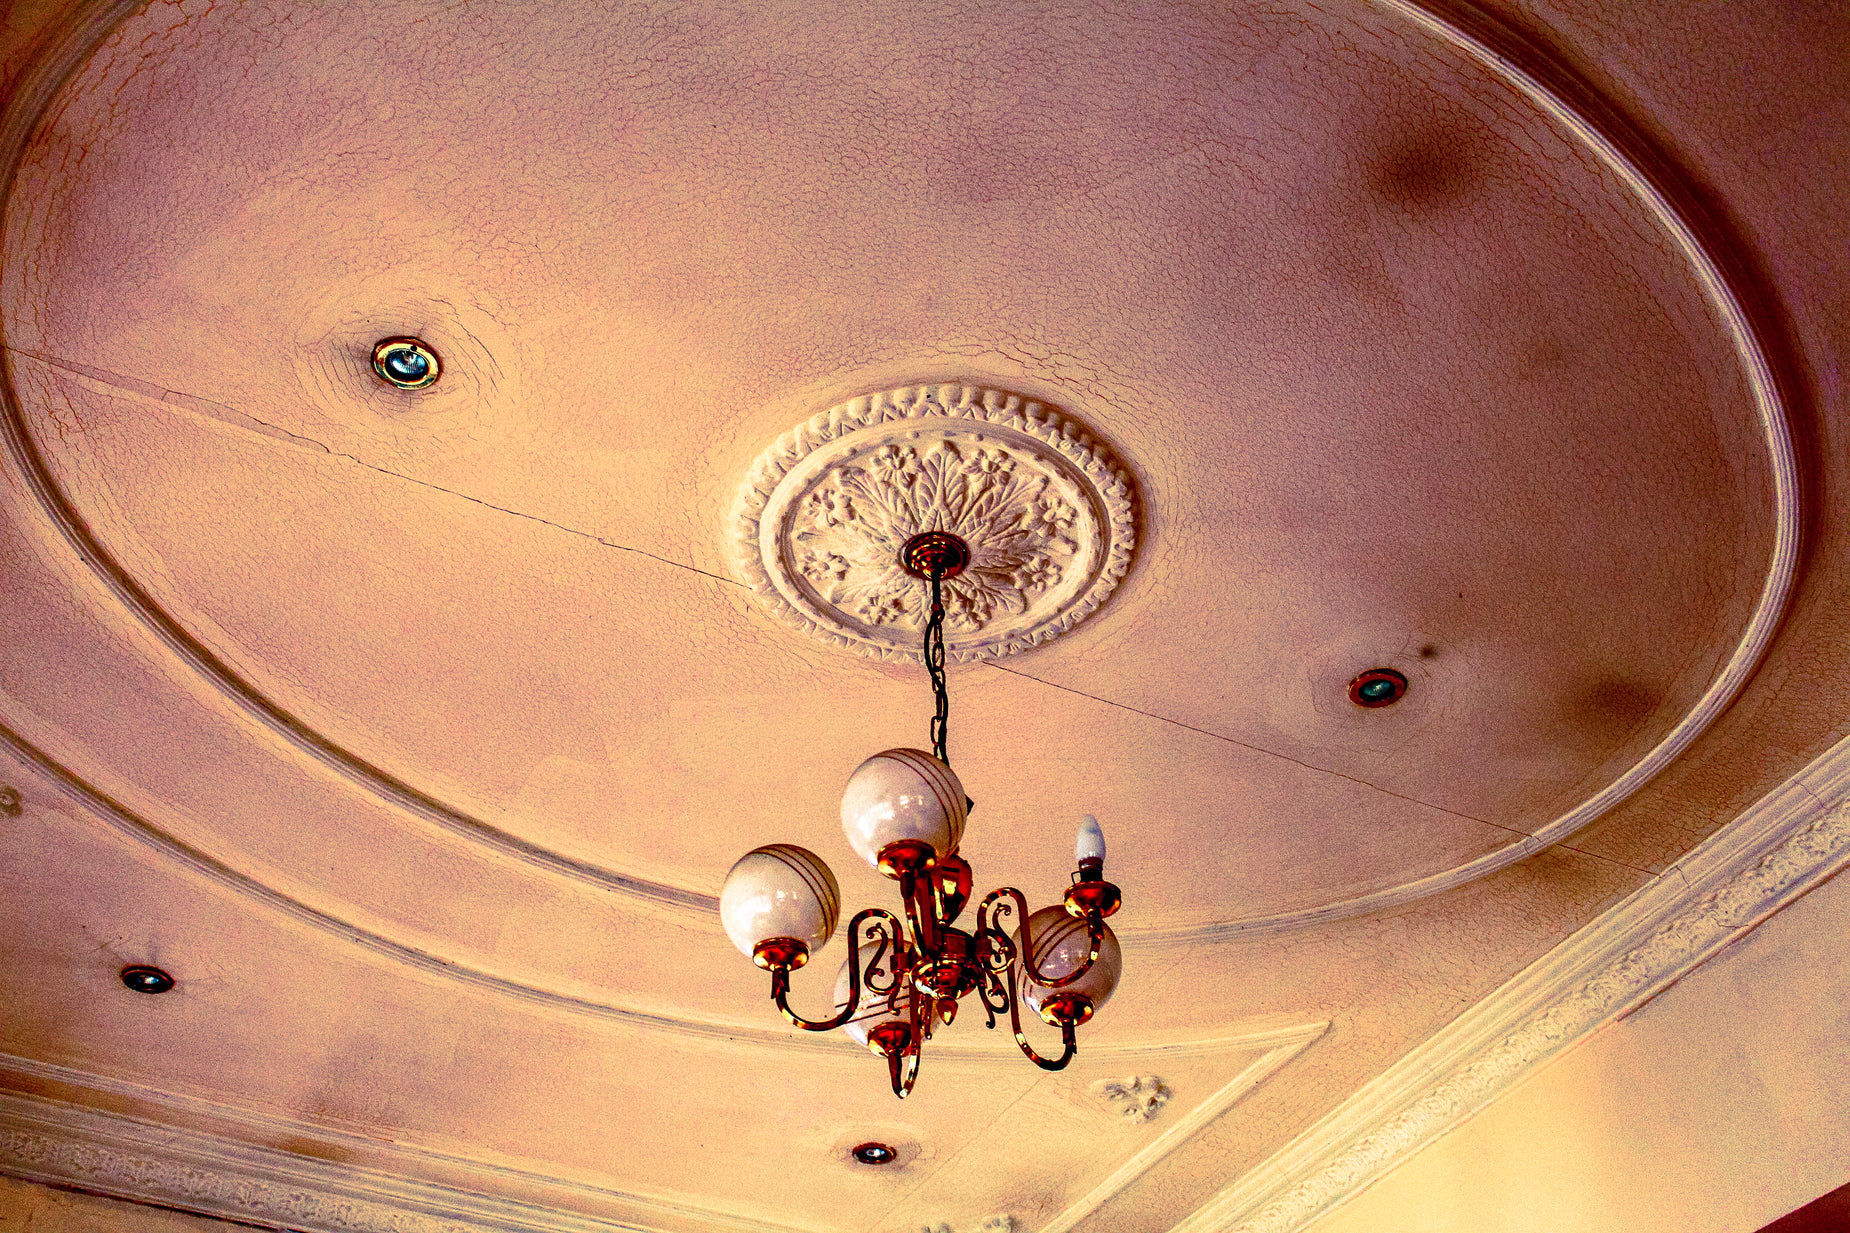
[444,715]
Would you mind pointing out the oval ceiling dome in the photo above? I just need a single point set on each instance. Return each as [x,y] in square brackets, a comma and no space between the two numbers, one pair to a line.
[1403,373]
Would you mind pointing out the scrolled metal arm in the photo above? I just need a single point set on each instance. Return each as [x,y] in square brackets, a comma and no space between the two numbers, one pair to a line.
[891,934]
[997,938]
[993,989]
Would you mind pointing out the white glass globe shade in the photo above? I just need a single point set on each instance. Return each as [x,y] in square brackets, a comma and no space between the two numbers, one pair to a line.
[1060,949]
[779,891]
[874,1006]
[902,794]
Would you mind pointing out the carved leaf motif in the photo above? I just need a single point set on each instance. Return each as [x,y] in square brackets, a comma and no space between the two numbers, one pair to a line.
[851,527]
[1047,512]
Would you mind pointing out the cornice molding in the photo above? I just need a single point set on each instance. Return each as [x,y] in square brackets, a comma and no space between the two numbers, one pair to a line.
[58,1143]
[61,1144]
[203,1156]
[1786,844]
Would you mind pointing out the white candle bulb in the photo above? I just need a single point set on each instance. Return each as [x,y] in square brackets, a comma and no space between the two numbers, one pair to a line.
[1091,842]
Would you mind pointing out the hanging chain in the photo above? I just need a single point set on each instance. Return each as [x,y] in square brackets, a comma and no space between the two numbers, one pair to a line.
[934,664]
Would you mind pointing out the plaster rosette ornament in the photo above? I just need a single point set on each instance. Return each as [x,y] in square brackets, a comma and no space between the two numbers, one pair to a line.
[1046,510]
[1137,1100]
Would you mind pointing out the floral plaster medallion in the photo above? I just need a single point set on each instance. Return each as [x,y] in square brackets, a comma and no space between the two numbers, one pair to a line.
[1046,510]
[1136,1100]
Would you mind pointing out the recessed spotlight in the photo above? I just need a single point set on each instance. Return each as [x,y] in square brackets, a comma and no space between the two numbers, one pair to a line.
[874,1154]
[406,363]
[144,979]
[1377,687]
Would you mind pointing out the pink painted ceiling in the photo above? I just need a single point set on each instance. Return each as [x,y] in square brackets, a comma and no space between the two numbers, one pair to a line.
[1519,385]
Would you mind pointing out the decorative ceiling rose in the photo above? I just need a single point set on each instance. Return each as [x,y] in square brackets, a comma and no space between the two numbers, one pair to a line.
[1046,509]
[1137,1100]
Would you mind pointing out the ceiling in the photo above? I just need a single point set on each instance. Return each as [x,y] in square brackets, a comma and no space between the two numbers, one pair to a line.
[414,732]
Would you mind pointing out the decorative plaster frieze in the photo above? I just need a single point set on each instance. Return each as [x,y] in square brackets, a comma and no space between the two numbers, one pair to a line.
[1137,1100]
[165,1154]
[50,1158]
[1046,509]
[56,1143]
[1795,838]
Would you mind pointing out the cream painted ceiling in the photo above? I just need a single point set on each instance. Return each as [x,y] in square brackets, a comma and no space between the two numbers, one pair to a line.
[1405,369]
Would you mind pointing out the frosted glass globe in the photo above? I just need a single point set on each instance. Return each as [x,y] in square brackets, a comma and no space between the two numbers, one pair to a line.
[1060,949]
[902,794]
[779,891]
[874,1007]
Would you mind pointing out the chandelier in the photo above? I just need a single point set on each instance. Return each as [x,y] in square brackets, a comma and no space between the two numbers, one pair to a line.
[904,812]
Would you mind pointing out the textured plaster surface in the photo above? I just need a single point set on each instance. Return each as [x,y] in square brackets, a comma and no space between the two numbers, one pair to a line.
[1751,100]
[1404,377]
[1407,379]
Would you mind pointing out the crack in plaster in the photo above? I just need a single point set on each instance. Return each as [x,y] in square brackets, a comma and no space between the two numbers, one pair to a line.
[641,552]
[231,416]
[1273,753]
[239,419]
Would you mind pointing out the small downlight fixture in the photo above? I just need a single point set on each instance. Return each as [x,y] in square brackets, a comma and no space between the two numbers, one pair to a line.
[407,363]
[1378,687]
[872,1153]
[144,979]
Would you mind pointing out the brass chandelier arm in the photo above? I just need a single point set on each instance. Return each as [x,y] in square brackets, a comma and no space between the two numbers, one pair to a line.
[1069,1036]
[994,992]
[921,909]
[891,989]
[997,937]
[891,935]
[903,1068]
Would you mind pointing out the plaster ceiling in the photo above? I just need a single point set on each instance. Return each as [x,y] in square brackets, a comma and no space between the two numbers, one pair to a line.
[1406,368]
